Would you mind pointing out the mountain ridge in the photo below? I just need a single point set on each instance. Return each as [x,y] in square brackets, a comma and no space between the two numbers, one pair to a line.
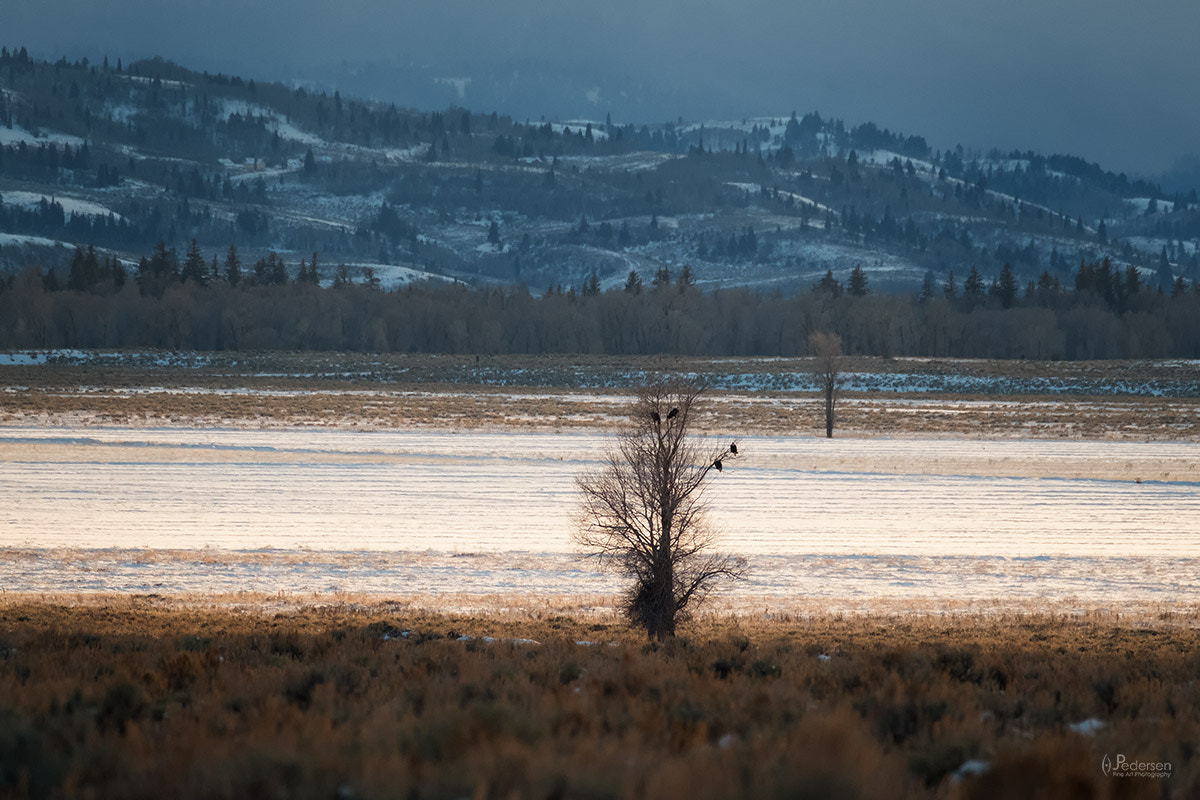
[767,202]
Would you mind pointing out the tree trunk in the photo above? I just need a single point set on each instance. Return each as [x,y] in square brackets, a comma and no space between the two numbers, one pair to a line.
[664,576]
[828,412]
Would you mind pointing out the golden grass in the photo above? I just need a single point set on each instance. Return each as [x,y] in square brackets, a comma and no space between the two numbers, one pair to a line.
[131,698]
[466,407]
[365,391]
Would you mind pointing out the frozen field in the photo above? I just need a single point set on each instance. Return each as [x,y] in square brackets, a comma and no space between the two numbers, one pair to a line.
[430,512]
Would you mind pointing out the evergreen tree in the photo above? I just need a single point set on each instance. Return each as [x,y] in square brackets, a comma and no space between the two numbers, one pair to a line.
[686,278]
[950,290]
[633,283]
[1132,283]
[194,267]
[858,282]
[277,270]
[1007,287]
[233,267]
[828,285]
[973,288]
[314,277]
[493,235]
[310,163]
[76,281]
[591,286]
[928,290]
[1163,275]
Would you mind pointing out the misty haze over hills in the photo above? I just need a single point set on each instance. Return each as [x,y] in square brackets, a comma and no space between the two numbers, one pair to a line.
[1102,80]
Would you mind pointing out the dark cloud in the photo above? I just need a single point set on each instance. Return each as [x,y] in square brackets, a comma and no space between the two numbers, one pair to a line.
[1110,81]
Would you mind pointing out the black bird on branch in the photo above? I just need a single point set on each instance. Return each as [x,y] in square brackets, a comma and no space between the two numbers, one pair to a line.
[733,448]
[717,464]
[672,414]
[654,416]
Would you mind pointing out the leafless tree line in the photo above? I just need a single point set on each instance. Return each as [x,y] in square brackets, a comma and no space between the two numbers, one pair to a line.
[668,319]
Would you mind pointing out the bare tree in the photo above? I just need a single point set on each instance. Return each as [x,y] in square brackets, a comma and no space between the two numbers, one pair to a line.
[827,348]
[643,513]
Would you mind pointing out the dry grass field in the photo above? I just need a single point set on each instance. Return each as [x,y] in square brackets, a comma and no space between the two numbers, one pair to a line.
[136,698]
[1117,400]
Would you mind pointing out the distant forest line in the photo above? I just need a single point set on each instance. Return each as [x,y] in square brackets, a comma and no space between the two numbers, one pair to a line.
[215,305]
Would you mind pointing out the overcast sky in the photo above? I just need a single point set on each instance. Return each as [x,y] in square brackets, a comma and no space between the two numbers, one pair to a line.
[1112,81]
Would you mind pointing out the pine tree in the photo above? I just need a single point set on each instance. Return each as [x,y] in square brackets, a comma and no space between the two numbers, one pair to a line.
[1132,283]
[950,290]
[858,282]
[973,288]
[493,235]
[828,285]
[194,266]
[277,270]
[633,283]
[233,267]
[1007,288]
[76,280]
[927,287]
[591,286]
[686,278]
[1163,275]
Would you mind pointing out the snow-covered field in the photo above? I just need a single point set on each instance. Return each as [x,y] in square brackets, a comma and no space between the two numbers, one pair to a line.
[429,512]
[70,205]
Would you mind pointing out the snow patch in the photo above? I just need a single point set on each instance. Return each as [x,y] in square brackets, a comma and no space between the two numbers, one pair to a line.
[16,134]
[70,205]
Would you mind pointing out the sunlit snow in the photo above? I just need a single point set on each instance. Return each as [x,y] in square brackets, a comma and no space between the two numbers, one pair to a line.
[174,510]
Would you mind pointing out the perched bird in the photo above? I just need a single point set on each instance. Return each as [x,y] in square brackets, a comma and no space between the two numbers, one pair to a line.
[717,464]
[733,448]
[654,416]
[674,411]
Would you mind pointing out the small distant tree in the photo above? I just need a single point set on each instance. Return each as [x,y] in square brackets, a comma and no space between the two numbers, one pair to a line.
[827,349]
[950,290]
[633,283]
[685,278]
[858,282]
[591,287]
[828,285]
[194,268]
[493,235]
[973,287]
[643,514]
[1007,287]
